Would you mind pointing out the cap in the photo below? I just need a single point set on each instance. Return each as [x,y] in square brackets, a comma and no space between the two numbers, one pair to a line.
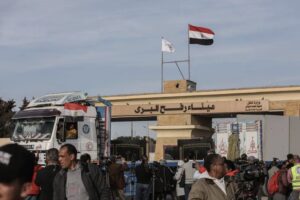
[16,162]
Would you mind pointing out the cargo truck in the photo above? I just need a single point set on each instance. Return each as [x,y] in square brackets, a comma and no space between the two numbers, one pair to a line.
[54,119]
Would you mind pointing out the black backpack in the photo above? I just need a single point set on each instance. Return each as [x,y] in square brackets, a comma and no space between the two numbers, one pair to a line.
[182,180]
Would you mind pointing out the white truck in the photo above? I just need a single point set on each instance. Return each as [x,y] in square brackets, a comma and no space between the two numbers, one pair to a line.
[55,119]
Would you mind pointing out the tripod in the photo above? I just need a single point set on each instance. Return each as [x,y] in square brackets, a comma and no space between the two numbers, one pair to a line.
[156,190]
[153,179]
[132,179]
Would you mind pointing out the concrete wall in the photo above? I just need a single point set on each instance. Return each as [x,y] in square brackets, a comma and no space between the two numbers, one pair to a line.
[281,135]
[276,137]
[294,142]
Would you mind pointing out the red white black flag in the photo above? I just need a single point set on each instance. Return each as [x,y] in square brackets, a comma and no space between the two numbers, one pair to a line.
[200,35]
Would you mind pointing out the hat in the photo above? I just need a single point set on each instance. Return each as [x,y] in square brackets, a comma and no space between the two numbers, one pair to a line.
[16,162]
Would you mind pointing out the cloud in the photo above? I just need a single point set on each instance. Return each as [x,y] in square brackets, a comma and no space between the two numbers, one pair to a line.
[117,43]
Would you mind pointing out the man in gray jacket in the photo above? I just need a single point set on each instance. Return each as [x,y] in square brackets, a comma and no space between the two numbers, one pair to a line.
[76,181]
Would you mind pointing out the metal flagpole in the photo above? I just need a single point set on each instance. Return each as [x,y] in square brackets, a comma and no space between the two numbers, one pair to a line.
[189,58]
[162,70]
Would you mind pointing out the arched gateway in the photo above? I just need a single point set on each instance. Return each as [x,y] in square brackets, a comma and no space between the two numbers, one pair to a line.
[184,113]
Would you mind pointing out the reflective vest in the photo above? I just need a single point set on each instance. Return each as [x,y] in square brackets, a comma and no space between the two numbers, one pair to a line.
[296,177]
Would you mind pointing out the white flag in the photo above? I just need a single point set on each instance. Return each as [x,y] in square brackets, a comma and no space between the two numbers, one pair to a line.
[167,46]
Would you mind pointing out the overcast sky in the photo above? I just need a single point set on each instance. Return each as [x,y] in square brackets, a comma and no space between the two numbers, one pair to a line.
[113,47]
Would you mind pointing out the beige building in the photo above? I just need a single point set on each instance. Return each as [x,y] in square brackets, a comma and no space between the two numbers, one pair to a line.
[182,112]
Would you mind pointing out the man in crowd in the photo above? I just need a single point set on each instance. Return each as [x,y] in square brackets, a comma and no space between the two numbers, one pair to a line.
[213,186]
[45,177]
[116,177]
[76,182]
[35,190]
[189,169]
[143,176]
[16,167]
[166,174]
[294,178]
[85,158]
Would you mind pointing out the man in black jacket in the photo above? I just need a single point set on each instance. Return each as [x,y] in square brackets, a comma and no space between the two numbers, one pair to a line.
[78,182]
[45,177]
[143,176]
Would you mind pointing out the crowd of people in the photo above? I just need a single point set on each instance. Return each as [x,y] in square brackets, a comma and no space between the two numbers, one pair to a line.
[66,177]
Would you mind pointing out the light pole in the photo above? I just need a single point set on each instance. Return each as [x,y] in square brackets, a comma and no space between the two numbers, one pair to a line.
[147,128]
[148,137]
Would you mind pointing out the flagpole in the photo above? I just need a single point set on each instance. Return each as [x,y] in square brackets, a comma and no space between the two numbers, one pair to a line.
[162,70]
[189,58]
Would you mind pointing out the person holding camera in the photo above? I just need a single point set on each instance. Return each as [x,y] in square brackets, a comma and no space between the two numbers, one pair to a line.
[214,186]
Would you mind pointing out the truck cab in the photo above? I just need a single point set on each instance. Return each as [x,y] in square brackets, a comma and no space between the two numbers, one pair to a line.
[55,119]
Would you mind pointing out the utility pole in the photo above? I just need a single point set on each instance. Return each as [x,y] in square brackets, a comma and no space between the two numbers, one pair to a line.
[131,130]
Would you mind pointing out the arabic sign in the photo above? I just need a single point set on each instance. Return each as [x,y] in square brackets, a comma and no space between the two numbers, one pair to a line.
[190,108]
[182,107]
[254,106]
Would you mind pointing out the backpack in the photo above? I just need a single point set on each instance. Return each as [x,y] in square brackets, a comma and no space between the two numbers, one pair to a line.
[273,183]
[182,180]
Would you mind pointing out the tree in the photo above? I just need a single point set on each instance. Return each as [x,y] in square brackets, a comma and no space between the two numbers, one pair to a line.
[6,114]
[25,103]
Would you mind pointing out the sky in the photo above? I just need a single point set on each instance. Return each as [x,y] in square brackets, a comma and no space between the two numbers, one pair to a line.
[114,47]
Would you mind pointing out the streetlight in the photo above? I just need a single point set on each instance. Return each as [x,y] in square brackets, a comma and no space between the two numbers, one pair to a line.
[148,136]
[147,127]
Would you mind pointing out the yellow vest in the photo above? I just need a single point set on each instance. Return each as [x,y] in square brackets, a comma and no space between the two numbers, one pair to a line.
[296,177]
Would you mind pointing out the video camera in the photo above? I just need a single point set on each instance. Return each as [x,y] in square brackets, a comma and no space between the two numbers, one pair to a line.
[250,170]
[251,175]
[104,162]
[154,167]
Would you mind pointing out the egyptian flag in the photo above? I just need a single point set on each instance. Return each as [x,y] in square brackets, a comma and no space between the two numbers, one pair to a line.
[75,106]
[200,35]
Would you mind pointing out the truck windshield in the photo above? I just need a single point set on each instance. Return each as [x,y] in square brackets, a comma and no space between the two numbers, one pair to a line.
[33,129]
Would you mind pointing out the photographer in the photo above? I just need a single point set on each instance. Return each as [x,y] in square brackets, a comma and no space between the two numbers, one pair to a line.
[213,186]
[166,174]
[250,178]
[156,187]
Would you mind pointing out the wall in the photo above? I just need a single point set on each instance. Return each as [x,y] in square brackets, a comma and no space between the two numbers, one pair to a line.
[276,137]
[276,134]
[294,135]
